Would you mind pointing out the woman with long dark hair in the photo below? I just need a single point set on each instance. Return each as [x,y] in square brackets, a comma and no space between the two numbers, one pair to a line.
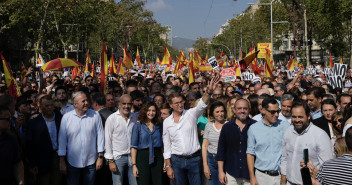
[146,143]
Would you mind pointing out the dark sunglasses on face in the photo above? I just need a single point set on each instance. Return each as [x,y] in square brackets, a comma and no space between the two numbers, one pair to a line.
[273,111]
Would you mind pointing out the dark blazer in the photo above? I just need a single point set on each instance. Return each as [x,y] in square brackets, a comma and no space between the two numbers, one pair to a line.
[322,123]
[104,114]
[40,149]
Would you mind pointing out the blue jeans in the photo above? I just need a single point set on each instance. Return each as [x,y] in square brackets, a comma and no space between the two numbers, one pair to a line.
[74,174]
[190,167]
[213,165]
[122,168]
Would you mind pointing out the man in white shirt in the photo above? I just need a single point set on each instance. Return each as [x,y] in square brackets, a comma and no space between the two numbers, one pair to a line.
[180,137]
[118,129]
[300,135]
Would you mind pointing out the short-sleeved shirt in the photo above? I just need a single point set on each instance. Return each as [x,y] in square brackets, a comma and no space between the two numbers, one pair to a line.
[212,135]
[9,156]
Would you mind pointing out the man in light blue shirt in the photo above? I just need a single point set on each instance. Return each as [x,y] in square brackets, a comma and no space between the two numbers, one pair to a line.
[81,141]
[264,145]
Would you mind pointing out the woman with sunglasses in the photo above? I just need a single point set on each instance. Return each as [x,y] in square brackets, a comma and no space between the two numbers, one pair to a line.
[210,142]
[146,143]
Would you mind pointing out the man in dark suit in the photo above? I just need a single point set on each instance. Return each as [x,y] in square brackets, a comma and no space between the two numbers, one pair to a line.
[103,176]
[98,104]
[42,143]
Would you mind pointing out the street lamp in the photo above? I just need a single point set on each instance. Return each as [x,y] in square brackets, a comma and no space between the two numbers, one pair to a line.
[271,22]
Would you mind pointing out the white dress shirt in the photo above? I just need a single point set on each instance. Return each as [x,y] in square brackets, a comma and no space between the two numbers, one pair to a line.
[81,138]
[182,138]
[313,138]
[68,107]
[118,133]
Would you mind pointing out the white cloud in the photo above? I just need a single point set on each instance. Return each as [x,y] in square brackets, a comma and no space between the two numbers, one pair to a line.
[156,5]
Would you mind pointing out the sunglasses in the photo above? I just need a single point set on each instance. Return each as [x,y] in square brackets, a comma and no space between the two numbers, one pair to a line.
[339,120]
[273,111]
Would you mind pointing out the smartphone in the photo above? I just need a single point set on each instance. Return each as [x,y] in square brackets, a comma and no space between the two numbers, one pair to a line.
[305,173]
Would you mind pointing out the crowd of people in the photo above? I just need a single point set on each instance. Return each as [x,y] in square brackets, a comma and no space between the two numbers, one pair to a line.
[157,129]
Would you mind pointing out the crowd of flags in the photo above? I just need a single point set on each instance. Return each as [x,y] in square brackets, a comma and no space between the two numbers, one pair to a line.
[195,63]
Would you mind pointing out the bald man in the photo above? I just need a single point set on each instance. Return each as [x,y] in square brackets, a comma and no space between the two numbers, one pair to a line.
[118,129]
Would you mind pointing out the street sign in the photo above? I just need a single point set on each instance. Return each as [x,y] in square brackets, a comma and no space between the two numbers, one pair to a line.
[228,74]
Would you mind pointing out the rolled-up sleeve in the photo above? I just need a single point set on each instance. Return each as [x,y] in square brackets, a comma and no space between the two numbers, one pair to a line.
[251,142]
[221,156]
[135,135]
[166,142]
[63,137]
[108,137]
[100,134]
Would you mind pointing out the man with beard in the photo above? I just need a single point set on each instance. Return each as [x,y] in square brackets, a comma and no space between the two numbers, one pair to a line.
[231,155]
[315,97]
[264,145]
[137,101]
[61,96]
[286,104]
[302,134]
[81,142]
[118,130]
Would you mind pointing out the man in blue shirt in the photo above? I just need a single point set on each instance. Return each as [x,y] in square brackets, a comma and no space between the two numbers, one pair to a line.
[232,146]
[81,141]
[264,145]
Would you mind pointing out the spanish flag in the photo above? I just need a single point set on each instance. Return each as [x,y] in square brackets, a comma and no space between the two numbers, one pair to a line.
[40,61]
[120,68]
[11,83]
[103,70]
[112,67]
[167,57]
[74,72]
[93,71]
[127,60]
[88,65]
[138,59]
[341,62]
[268,64]
[23,71]
[191,73]
[331,63]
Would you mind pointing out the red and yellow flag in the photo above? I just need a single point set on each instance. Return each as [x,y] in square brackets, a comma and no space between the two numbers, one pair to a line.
[112,66]
[88,65]
[268,64]
[23,71]
[167,57]
[127,60]
[93,71]
[191,73]
[11,82]
[180,59]
[331,63]
[138,59]
[341,62]
[103,70]
[120,68]
[158,61]
[74,72]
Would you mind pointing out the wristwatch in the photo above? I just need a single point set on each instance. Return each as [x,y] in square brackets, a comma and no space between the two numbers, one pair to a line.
[101,156]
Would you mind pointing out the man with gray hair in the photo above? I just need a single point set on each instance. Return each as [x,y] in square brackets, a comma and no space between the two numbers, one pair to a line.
[81,142]
[286,105]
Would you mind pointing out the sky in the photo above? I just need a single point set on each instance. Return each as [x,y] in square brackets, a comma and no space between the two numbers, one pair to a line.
[193,19]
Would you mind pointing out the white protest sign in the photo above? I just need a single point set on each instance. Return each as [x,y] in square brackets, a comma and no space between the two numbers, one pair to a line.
[311,71]
[256,80]
[297,69]
[340,69]
[111,78]
[213,62]
[97,69]
[228,74]
[246,76]
[290,74]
